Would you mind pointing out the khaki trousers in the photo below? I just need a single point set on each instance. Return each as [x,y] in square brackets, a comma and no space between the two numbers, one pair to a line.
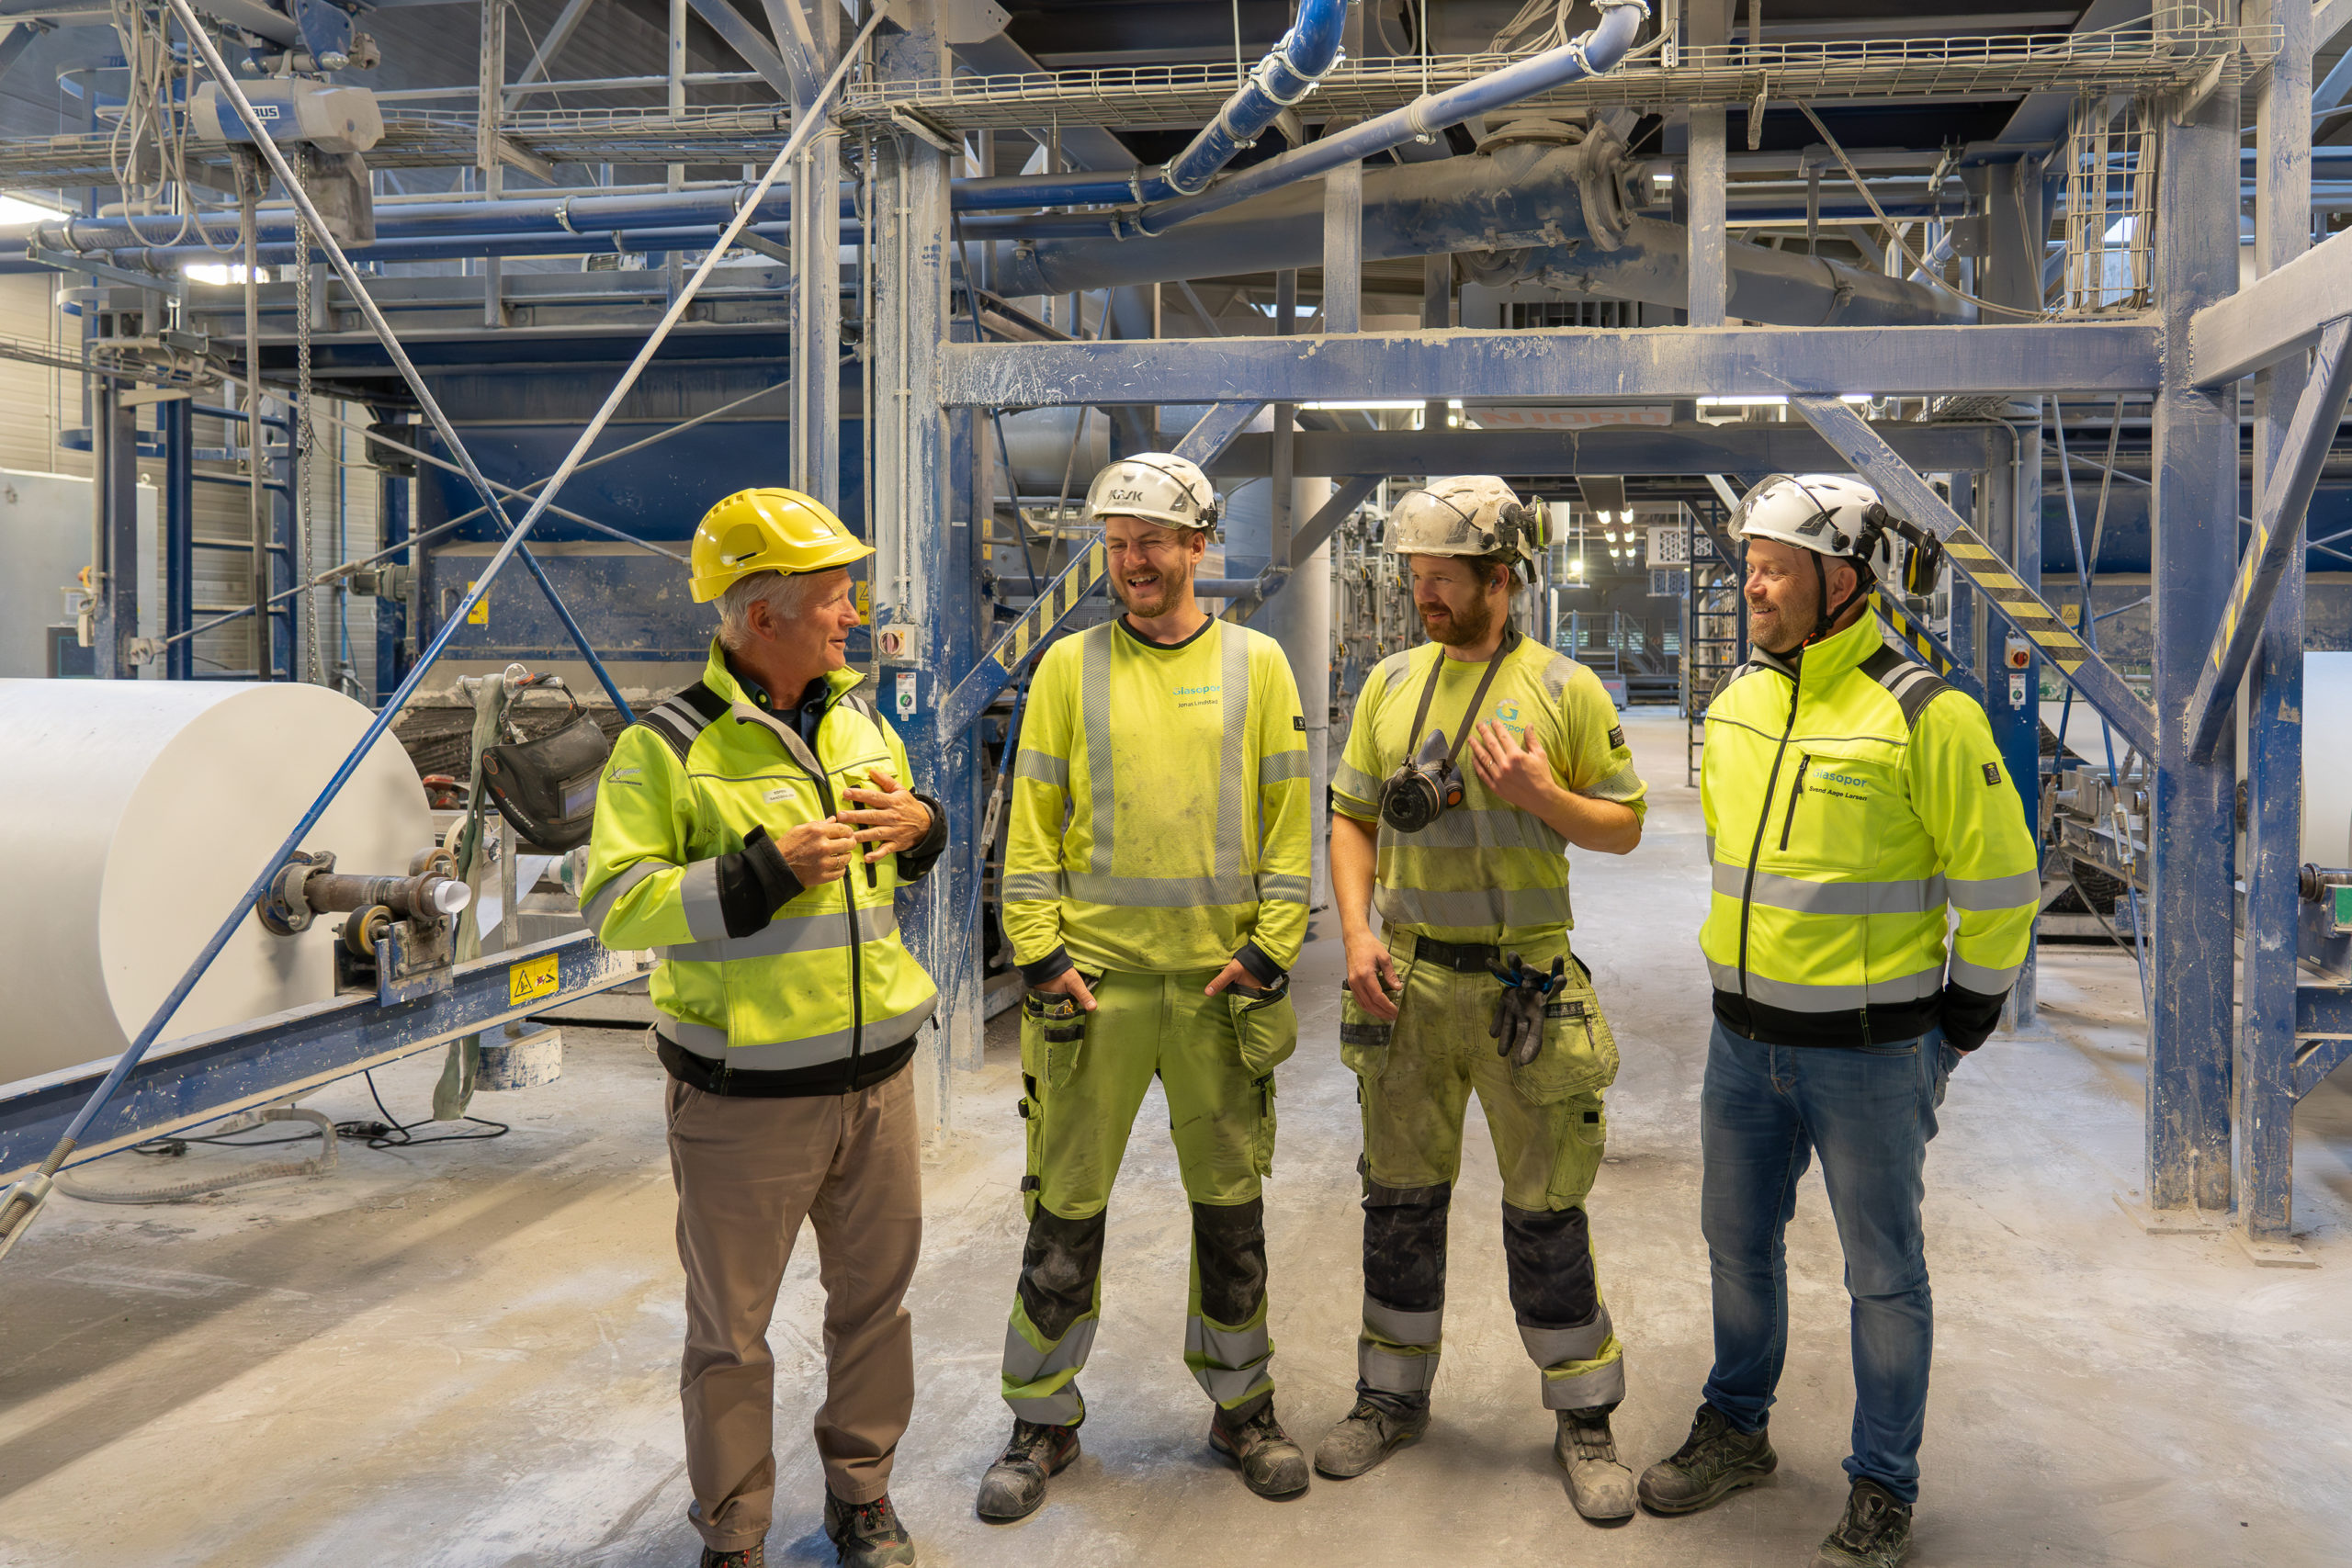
[748,1171]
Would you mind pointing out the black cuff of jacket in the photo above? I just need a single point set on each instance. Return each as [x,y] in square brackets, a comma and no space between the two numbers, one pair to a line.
[1970,1017]
[753,884]
[1262,969]
[1054,964]
[914,862]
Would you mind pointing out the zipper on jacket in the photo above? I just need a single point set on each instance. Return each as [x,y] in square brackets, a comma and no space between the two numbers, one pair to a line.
[1756,851]
[849,907]
[1789,820]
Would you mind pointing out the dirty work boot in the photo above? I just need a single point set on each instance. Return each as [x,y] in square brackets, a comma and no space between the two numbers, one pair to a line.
[1271,1465]
[1875,1532]
[1015,1484]
[1601,1487]
[752,1556]
[1715,1460]
[867,1535]
[1367,1435]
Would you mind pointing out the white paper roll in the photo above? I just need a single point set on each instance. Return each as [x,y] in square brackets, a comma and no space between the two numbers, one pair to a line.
[133,815]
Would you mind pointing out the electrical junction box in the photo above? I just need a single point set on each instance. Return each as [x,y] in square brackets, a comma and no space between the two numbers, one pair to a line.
[901,642]
[2020,653]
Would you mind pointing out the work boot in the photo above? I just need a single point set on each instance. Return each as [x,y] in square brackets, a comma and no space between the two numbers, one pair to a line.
[867,1535]
[1715,1460]
[1015,1484]
[1601,1487]
[752,1556]
[1875,1532]
[1271,1465]
[1367,1435]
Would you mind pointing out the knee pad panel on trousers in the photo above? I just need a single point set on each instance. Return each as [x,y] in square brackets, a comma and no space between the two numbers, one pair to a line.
[1229,1240]
[1403,1244]
[1549,1256]
[1058,1268]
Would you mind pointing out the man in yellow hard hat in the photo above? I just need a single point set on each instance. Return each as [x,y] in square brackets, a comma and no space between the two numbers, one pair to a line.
[755,826]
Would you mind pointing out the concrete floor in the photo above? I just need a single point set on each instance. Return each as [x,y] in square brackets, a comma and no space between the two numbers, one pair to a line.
[466,1354]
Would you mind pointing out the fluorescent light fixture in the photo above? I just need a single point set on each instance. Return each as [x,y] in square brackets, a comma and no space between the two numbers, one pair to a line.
[1369,405]
[16,209]
[218,273]
[1767,402]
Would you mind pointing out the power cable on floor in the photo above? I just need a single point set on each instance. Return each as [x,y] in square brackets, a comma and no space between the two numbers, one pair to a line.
[393,1133]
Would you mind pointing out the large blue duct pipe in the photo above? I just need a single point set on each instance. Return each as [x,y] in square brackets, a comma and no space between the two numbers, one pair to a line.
[1593,54]
[1285,76]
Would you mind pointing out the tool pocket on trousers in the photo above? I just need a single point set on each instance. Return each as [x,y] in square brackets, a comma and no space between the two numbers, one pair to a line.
[1265,1026]
[1032,1134]
[1580,1054]
[1261,1151]
[1364,1039]
[1052,1030]
[1582,1136]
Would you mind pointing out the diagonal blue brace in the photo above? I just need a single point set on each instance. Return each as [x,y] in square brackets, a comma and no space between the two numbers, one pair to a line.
[2278,534]
[1907,493]
[1216,430]
[1346,496]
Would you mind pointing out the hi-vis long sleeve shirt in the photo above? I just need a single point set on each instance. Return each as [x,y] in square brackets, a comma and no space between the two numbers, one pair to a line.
[1159,808]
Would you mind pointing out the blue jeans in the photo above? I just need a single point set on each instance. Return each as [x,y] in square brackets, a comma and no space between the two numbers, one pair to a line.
[1870,1111]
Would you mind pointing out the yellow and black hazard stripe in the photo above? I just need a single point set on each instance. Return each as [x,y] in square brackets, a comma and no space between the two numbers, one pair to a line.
[2030,612]
[1915,636]
[1061,595]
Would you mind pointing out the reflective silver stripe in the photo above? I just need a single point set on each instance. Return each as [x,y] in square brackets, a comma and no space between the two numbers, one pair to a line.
[1043,766]
[1018,886]
[1058,1409]
[1233,643]
[1622,785]
[1991,894]
[1555,677]
[1231,1386]
[1280,766]
[601,903]
[1227,1349]
[1402,1328]
[1557,1346]
[698,896]
[1392,1373]
[1464,828]
[1976,978]
[1352,782]
[1711,846]
[1603,1385]
[1790,996]
[1094,697]
[1025,1363]
[1505,907]
[797,933]
[1158,892]
[1281,886]
[1771,891]
[807,1051]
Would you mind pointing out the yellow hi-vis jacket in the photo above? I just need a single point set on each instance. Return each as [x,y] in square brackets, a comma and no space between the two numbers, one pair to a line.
[818,986]
[1851,797]
[1159,808]
[1485,871]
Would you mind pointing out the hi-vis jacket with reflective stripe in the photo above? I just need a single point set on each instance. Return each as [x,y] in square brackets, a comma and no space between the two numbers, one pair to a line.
[820,985]
[1485,871]
[1849,800]
[1180,773]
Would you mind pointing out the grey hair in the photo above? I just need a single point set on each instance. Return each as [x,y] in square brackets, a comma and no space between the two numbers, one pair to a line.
[787,596]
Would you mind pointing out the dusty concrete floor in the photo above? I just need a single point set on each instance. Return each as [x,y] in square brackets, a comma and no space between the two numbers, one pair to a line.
[466,1354]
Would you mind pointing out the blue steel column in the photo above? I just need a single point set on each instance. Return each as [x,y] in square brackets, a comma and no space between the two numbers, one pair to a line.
[178,420]
[2192,820]
[815,249]
[2016,221]
[392,615]
[2273,693]
[922,571]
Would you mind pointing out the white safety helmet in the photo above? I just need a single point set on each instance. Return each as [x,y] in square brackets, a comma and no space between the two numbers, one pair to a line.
[1468,514]
[1159,487]
[1831,514]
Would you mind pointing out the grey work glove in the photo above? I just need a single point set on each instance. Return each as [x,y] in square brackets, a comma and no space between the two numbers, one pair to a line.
[1517,1024]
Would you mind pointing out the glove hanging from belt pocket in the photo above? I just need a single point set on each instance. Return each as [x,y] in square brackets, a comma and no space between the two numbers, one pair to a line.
[1517,1027]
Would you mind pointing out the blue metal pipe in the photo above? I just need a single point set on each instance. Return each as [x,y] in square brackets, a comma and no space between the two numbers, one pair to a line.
[1287,73]
[1591,54]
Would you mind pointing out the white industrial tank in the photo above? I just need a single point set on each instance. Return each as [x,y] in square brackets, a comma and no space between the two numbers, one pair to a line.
[133,815]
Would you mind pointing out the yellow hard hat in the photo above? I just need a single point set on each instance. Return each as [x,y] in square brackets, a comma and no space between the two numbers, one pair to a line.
[768,530]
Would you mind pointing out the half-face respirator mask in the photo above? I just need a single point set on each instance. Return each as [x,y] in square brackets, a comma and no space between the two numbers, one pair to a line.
[1429,782]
